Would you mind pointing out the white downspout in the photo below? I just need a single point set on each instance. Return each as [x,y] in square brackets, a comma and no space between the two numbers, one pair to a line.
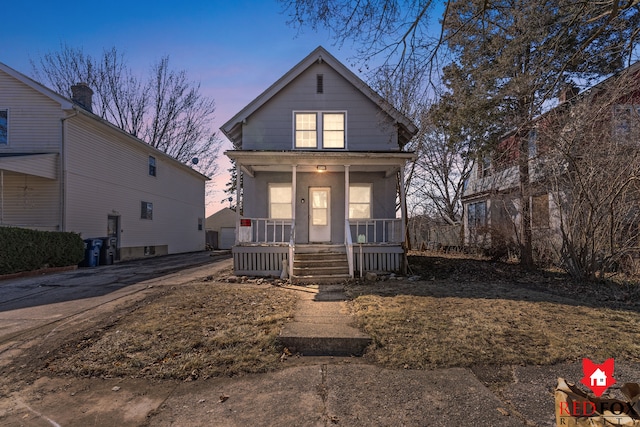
[238,181]
[63,173]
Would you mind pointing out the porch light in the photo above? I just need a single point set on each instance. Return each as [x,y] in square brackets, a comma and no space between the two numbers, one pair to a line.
[321,168]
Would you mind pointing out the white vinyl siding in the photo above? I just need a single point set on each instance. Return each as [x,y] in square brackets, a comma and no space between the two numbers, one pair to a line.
[108,175]
[360,201]
[33,119]
[280,206]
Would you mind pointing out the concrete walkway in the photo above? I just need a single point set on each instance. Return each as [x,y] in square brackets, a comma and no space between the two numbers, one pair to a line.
[322,325]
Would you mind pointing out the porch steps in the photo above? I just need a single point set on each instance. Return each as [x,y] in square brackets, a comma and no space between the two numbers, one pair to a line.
[320,264]
[321,325]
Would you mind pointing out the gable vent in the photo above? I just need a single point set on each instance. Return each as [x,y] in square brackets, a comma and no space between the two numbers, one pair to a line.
[319,83]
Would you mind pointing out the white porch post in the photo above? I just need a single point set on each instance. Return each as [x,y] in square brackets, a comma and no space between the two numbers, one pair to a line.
[238,181]
[346,193]
[403,205]
[294,178]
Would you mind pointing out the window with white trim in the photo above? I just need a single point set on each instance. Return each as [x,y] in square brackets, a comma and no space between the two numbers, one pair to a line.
[280,206]
[319,130]
[4,127]
[360,201]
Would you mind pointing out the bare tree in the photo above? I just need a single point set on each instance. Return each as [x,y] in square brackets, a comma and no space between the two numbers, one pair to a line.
[166,110]
[513,53]
[592,168]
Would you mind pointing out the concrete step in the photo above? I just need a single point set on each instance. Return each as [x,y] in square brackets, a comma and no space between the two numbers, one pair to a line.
[322,326]
[305,257]
[320,279]
[324,270]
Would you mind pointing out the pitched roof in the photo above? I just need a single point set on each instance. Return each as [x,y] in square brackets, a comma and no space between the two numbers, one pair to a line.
[233,128]
[67,104]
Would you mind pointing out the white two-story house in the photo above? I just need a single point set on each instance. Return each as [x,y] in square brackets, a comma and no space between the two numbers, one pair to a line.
[63,168]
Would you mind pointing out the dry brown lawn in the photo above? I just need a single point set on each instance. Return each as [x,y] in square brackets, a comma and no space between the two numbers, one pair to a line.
[470,311]
[458,312]
[199,330]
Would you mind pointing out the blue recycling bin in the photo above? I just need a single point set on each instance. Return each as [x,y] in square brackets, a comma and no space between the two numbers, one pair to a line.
[92,252]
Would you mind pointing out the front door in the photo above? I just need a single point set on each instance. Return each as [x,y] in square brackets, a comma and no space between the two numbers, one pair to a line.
[113,230]
[320,215]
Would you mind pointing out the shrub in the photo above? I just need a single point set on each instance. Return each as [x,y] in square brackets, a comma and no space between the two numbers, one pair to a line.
[22,249]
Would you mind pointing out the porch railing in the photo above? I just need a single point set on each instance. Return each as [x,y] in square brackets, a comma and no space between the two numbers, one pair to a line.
[376,230]
[292,247]
[348,241]
[264,231]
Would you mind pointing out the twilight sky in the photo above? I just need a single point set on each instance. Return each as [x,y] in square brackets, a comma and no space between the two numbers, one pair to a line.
[235,49]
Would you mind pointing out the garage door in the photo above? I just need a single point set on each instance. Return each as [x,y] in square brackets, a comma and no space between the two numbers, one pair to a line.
[227,237]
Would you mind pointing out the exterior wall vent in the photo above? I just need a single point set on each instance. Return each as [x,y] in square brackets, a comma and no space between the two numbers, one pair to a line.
[319,83]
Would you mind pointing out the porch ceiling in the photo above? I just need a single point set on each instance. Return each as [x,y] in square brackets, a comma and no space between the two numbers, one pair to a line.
[283,161]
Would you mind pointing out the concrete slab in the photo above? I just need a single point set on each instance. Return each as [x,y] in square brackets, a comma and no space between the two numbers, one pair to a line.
[322,325]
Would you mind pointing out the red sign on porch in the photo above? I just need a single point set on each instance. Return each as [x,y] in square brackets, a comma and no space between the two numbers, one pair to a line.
[245,223]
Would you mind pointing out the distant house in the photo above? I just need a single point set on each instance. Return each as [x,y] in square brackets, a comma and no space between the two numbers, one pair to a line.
[320,156]
[221,229]
[64,168]
[491,198]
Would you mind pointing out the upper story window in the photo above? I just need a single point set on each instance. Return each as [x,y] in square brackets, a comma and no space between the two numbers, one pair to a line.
[152,166]
[484,166]
[319,130]
[4,127]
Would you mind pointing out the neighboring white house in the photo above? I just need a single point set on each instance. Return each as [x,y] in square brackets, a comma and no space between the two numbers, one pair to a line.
[64,168]
[223,224]
[319,155]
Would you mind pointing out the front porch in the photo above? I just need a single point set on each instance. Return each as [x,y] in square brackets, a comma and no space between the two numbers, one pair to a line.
[338,206]
[267,248]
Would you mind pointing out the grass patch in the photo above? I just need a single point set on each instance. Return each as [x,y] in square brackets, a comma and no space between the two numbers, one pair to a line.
[471,312]
[198,330]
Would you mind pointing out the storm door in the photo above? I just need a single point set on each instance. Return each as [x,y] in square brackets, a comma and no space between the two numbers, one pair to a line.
[319,215]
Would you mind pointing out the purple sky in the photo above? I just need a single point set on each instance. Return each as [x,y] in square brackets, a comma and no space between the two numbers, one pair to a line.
[235,49]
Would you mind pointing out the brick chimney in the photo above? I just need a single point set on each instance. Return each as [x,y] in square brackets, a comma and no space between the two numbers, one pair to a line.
[81,94]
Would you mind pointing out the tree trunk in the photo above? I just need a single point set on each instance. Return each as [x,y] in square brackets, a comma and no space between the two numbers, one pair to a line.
[526,247]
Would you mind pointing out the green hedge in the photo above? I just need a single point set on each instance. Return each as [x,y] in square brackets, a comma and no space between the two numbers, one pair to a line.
[22,249]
